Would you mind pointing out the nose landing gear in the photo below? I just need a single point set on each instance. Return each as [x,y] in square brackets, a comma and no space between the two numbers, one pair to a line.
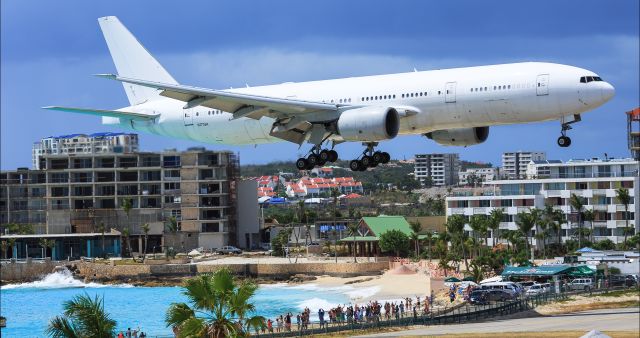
[370,158]
[564,140]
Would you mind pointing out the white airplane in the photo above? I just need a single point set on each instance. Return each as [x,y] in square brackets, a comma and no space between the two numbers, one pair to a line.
[450,106]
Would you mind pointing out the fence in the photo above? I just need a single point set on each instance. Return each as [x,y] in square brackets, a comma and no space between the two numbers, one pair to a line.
[455,315]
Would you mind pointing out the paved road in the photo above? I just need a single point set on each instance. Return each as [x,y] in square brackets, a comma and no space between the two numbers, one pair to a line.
[625,319]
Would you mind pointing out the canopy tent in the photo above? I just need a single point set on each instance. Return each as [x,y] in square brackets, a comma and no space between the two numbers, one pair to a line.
[469,279]
[586,249]
[547,270]
[452,280]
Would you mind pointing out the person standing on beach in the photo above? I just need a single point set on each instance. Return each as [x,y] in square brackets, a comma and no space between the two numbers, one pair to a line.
[128,334]
[298,321]
[270,325]
[321,317]
[120,335]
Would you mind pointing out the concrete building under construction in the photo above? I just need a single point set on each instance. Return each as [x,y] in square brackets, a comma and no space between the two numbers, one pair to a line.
[633,132]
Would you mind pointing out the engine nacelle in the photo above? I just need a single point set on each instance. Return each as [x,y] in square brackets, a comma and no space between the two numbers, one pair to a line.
[369,124]
[460,137]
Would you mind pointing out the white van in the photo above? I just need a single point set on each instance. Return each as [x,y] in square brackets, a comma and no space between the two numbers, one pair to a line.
[506,286]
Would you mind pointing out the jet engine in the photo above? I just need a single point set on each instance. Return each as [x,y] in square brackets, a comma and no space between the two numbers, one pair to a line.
[369,124]
[460,137]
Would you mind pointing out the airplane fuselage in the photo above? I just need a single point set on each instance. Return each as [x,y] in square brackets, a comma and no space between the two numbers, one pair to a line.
[440,99]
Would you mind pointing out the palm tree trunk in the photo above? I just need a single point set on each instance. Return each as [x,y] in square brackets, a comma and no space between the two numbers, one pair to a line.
[626,224]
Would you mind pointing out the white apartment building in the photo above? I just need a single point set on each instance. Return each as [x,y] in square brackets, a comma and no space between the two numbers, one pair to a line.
[514,164]
[97,143]
[443,169]
[594,180]
[480,175]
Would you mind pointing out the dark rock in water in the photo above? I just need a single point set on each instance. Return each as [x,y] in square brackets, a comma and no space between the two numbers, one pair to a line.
[300,278]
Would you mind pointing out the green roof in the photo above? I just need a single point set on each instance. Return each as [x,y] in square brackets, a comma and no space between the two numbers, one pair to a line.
[382,224]
[546,270]
[359,239]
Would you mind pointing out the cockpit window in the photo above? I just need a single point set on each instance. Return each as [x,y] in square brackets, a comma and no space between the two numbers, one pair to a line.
[586,79]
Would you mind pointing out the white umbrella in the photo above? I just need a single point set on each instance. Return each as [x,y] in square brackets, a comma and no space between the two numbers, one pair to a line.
[194,252]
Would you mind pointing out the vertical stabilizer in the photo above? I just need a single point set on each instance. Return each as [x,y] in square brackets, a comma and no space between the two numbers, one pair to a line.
[132,60]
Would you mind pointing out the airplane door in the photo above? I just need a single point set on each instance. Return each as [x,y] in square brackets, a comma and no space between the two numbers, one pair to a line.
[542,84]
[450,92]
[188,117]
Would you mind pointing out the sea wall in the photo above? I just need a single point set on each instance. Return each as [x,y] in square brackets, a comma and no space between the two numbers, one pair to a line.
[24,272]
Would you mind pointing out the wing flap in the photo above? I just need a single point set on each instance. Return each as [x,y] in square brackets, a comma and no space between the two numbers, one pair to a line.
[101,112]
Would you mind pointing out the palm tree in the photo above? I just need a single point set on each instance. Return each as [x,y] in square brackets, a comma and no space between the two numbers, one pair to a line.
[101,229]
[145,229]
[334,195]
[495,218]
[83,317]
[478,224]
[589,216]
[46,244]
[455,228]
[172,224]
[125,234]
[415,230]
[354,229]
[218,307]
[4,246]
[526,222]
[624,198]
[577,203]
[429,235]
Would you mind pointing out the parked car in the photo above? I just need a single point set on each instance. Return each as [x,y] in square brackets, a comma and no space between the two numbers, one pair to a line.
[585,284]
[527,284]
[622,280]
[229,249]
[479,297]
[536,289]
[508,287]
[497,295]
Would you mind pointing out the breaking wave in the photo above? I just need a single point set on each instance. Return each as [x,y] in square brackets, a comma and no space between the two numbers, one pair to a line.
[59,280]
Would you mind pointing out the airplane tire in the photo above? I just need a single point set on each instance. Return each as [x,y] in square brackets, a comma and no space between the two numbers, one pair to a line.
[378,157]
[313,160]
[325,155]
[333,156]
[367,161]
[302,163]
[564,141]
[386,158]
[355,165]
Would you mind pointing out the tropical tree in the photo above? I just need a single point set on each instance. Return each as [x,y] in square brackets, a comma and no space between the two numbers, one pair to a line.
[455,228]
[335,193]
[101,229]
[495,218]
[172,224]
[46,244]
[5,245]
[622,194]
[526,222]
[354,230]
[83,317]
[429,235]
[125,235]
[479,226]
[577,203]
[415,232]
[145,230]
[589,216]
[218,307]
[394,241]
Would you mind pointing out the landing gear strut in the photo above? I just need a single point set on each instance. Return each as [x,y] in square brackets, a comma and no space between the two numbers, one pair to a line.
[564,140]
[370,158]
[317,157]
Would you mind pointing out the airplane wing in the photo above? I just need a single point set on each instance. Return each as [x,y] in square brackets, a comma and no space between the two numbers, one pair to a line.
[240,105]
[110,113]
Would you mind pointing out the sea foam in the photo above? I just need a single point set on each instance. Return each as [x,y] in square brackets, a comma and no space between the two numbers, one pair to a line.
[59,280]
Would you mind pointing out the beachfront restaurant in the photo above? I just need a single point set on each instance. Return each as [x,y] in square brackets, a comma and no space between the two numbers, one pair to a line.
[63,246]
[365,243]
[547,273]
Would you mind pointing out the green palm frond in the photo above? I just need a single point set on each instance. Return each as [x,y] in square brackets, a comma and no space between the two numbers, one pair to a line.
[177,314]
[193,328]
[60,327]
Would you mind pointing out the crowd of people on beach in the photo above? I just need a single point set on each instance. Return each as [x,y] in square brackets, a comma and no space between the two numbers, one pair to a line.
[135,333]
[370,312]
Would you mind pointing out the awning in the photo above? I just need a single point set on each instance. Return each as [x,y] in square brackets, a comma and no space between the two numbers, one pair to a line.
[547,270]
[359,239]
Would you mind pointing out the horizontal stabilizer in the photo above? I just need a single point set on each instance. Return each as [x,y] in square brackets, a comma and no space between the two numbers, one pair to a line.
[110,113]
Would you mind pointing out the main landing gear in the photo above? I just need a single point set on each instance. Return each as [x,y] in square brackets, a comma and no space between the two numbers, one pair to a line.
[317,157]
[370,158]
[564,140]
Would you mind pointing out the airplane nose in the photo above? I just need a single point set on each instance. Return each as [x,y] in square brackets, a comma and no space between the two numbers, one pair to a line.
[607,91]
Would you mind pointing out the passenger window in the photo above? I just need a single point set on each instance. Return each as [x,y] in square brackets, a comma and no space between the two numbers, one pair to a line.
[394,96]
[494,87]
[509,86]
[439,92]
[485,89]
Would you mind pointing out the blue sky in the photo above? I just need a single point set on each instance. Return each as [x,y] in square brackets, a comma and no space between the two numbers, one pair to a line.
[51,48]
